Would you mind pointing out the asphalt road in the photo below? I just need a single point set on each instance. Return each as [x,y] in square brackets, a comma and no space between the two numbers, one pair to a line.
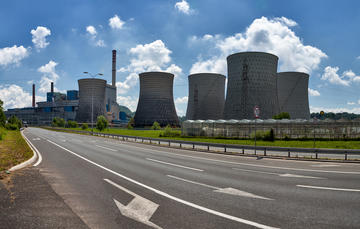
[114,184]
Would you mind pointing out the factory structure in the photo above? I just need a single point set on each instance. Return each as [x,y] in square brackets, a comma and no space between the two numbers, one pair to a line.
[93,95]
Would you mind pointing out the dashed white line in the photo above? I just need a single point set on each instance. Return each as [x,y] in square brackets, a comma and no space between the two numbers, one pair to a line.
[176,165]
[329,188]
[199,207]
[279,174]
[106,148]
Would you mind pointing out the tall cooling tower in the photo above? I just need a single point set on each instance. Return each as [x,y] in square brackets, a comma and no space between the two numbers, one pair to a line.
[206,96]
[91,91]
[251,82]
[293,94]
[156,101]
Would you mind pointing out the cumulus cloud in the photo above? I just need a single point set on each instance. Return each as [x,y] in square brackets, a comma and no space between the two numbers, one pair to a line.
[100,43]
[181,100]
[49,75]
[313,92]
[91,30]
[39,37]
[267,35]
[116,23]
[183,7]
[355,110]
[180,103]
[12,55]
[351,103]
[14,96]
[154,56]
[346,78]
[128,101]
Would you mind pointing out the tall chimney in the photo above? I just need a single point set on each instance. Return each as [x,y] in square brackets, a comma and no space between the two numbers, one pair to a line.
[52,87]
[33,96]
[113,68]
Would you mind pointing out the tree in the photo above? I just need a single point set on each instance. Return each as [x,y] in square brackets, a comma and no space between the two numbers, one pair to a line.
[156,126]
[101,123]
[2,115]
[71,124]
[282,115]
[84,126]
[58,122]
[131,123]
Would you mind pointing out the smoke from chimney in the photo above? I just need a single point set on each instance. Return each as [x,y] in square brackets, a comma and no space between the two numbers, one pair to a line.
[33,95]
[52,87]
[113,68]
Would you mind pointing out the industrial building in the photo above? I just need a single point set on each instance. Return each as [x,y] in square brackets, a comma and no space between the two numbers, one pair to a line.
[75,105]
[293,94]
[251,82]
[156,101]
[206,96]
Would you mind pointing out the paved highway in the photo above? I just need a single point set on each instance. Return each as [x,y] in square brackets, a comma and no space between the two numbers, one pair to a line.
[115,184]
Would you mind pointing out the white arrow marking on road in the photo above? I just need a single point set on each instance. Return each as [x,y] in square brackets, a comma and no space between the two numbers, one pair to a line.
[139,209]
[230,191]
[280,174]
[328,188]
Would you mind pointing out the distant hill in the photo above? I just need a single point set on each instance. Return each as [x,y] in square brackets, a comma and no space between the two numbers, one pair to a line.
[336,116]
[127,111]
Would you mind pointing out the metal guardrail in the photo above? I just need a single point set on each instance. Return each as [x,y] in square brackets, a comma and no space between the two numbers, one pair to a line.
[226,147]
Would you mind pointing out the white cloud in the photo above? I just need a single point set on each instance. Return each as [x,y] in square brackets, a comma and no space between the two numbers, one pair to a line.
[181,100]
[49,75]
[39,37]
[358,58]
[351,103]
[359,101]
[91,30]
[266,35]
[183,7]
[100,43]
[128,101]
[351,76]
[331,75]
[313,92]
[355,110]
[14,96]
[12,55]
[116,23]
[154,56]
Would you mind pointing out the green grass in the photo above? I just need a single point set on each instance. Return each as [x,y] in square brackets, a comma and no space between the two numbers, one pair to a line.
[13,149]
[292,143]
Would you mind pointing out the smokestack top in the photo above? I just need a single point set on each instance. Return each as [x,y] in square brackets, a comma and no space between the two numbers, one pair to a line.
[33,95]
[52,87]
[113,68]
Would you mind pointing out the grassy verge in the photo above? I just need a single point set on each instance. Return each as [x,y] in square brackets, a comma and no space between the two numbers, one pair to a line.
[13,150]
[291,143]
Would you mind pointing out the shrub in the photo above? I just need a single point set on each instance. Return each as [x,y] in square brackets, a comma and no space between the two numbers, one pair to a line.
[131,124]
[2,133]
[84,126]
[169,132]
[156,126]
[282,115]
[2,115]
[58,122]
[101,123]
[269,136]
[71,124]
[10,126]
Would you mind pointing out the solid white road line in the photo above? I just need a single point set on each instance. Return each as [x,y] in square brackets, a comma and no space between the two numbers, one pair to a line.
[279,174]
[324,165]
[328,188]
[176,165]
[106,148]
[139,208]
[39,160]
[164,194]
[240,163]
[230,191]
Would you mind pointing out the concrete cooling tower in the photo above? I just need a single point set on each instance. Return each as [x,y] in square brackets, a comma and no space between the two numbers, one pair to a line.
[251,82]
[293,94]
[156,101]
[91,90]
[206,96]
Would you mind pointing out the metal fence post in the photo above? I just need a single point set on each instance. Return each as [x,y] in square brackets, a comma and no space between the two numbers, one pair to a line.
[180,145]
[208,147]
[243,151]
[224,148]
[169,143]
[193,146]
[346,155]
[264,151]
[288,153]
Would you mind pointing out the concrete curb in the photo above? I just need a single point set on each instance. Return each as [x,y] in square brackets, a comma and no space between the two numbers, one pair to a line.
[28,162]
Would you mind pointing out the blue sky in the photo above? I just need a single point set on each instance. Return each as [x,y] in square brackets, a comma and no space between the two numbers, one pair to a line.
[43,41]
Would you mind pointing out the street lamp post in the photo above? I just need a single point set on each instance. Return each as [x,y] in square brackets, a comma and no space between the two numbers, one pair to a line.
[92,101]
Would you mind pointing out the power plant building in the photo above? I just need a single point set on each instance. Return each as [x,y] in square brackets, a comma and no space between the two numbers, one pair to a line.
[156,101]
[293,94]
[206,96]
[251,82]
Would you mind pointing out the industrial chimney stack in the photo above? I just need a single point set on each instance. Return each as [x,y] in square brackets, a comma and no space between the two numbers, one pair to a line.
[113,68]
[52,87]
[33,95]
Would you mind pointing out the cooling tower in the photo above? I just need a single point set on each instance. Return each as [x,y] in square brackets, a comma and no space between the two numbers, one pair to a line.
[206,96]
[91,90]
[251,82]
[293,94]
[156,102]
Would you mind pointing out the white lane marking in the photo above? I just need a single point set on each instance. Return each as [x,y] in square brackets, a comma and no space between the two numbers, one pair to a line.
[176,165]
[240,163]
[230,191]
[325,165]
[164,194]
[329,188]
[106,148]
[139,208]
[37,152]
[36,139]
[279,174]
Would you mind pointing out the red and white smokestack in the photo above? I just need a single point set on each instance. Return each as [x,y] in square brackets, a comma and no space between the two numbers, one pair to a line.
[113,68]
[52,87]
[33,95]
